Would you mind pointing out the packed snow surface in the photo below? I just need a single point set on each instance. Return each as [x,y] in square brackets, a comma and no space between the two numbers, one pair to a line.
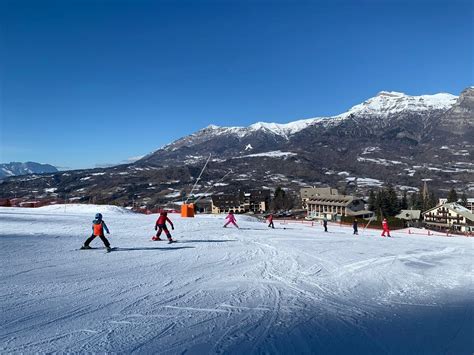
[253,290]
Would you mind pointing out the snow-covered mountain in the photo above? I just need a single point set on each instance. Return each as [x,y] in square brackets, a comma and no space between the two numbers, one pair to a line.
[389,104]
[17,168]
[412,116]
[390,138]
[386,105]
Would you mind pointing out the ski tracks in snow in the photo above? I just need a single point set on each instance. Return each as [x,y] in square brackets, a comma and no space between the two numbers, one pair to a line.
[251,290]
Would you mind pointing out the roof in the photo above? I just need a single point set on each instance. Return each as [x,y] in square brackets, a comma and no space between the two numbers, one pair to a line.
[332,200]
[457,208]
[359,213]
[409,214]
[318,191]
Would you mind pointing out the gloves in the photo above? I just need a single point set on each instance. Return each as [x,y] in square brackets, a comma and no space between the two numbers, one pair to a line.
[172,227]
[108,232]
[156,228]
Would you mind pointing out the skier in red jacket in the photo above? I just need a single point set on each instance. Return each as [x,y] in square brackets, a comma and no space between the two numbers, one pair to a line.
[270,221]
[160,225]
[385,228]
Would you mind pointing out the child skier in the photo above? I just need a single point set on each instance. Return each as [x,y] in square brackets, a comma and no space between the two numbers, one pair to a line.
[98,227]
[160,225]
[231,219]
[354,226]
[385,228]
[270,221]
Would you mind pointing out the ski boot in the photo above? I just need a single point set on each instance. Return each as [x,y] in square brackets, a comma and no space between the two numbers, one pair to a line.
[84,247]
[156,239]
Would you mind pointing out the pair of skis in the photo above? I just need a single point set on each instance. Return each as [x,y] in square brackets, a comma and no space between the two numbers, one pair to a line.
[107,251]
[162,240]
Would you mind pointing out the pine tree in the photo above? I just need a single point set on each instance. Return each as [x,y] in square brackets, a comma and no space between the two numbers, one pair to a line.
[452,195]
[415,201]
[433,201]
[371,201]
[404,201]
[463,200]
[379,197]
[392,201]
[280,200]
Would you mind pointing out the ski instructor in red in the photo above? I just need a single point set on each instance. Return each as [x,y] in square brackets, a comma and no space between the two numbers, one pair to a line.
[160,226]
[385,228]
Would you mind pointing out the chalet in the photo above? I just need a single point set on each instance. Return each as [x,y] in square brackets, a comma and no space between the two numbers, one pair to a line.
[469,205]
[451,216]
[411,217]
[203,205]
[309,193]
[334,206]
[256,201]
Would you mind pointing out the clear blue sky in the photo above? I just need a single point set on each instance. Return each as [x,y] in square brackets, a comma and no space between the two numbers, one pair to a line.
[97,82]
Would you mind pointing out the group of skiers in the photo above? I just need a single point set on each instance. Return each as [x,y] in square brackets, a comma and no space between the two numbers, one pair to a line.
[99,226]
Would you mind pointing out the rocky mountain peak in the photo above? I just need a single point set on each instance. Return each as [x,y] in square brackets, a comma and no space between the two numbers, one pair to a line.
[460,117]
[388,103]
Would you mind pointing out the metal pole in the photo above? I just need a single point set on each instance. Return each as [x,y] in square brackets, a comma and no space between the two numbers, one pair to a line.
[197,180]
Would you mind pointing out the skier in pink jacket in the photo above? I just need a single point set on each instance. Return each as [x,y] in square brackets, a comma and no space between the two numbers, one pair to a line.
[231,219]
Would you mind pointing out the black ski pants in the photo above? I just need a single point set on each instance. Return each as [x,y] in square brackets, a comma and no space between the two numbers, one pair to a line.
[102,237]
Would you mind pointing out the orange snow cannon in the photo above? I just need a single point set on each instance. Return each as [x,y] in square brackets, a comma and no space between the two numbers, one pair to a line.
[187,210]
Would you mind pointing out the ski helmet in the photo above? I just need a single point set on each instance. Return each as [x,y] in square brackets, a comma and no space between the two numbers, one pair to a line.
[98,216]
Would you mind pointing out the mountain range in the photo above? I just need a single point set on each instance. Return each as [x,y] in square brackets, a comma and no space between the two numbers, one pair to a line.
[390,138]
[17,168]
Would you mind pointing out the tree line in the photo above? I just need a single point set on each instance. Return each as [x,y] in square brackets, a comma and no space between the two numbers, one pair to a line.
[385,202]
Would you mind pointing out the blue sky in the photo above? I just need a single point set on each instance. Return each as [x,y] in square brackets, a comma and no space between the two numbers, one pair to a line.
[85,83]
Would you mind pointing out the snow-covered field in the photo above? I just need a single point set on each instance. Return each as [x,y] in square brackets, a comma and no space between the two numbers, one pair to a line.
[253,290]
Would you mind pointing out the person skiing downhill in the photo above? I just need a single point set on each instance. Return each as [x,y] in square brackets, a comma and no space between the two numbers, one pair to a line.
[385,228]
[231,219]
[160,226]
[270,221]
[98,227]
[354,226]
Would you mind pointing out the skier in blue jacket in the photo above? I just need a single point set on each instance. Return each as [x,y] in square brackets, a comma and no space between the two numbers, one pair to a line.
[98,227]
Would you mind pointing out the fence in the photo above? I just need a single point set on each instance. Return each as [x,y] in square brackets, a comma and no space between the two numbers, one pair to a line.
[424,232]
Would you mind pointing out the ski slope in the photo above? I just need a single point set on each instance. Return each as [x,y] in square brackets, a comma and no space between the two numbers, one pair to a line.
[248,291]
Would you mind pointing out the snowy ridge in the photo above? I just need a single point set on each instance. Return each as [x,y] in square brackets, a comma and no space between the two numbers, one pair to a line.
[17,168]
[383,105]
[390,103]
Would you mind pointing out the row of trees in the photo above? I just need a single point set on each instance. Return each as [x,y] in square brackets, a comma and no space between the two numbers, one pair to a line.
[385,202]
[454,197]
[282,201]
